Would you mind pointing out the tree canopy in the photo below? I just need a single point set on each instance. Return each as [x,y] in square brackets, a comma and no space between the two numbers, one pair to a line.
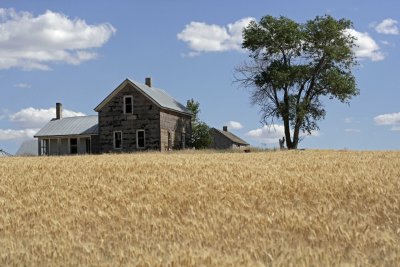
[201,137]
[293,65]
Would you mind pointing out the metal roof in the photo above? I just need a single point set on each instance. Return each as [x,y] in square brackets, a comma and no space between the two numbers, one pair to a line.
[83,125]
[158,96]
[28,148]
[235,139]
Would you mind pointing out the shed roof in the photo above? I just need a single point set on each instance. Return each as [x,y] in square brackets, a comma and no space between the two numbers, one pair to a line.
[235,139]
[28,148]
[158,96]
[82,125]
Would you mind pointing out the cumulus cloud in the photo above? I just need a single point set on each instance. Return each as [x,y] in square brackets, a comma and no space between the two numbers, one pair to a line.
[234,125]
[270,134]
[33,42]
[36,118]
[366,47]
[9,134]
[202,37]
[388,26]
[391,119]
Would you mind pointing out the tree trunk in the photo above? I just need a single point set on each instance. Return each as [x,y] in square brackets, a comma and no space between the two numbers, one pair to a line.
[288,138]
[296,136]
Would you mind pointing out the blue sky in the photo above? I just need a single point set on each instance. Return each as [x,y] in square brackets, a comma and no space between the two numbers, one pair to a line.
[53,51]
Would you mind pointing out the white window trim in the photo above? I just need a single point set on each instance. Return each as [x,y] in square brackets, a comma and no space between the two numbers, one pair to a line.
[125,97]
[114,139]
[137,138]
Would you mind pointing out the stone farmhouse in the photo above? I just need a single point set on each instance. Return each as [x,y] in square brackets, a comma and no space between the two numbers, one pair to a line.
[134,117]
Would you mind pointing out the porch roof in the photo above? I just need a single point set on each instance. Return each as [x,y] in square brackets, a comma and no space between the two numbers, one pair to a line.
[82,125]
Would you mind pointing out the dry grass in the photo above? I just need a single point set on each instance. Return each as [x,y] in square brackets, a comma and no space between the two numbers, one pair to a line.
[302,208]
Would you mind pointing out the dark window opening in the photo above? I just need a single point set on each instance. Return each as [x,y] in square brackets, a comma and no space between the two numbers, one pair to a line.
[169,141]
[73,145]
[183,140]
[117,140]
[128,104]
[88,146]
[140,139]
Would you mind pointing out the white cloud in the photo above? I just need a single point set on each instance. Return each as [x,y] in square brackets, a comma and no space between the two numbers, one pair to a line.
[9,134]
[366,47]
[388,26]
[272,133]
[392,119]
[22,85]
[235,125]
[352,130]
[36,118]
[30,42]
[267,134]
[202,37]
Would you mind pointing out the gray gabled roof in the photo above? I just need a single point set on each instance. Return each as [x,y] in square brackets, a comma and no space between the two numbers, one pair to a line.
[83,125]
[28,148]
[158,96]
[235,139]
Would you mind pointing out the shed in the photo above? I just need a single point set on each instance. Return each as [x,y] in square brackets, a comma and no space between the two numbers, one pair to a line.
[225,139]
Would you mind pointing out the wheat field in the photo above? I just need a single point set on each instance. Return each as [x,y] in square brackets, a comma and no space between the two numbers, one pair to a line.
[290,208]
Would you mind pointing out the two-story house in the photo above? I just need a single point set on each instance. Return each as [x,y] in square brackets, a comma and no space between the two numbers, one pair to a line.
[134,117]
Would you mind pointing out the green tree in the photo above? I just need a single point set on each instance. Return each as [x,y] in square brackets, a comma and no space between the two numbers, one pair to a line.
[293,66]
[201,137]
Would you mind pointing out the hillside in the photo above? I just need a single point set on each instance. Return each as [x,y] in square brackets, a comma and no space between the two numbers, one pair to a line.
[191,208]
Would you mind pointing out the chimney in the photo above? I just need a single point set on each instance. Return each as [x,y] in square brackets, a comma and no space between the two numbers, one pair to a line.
[148,81]
[225,128]
[58,111]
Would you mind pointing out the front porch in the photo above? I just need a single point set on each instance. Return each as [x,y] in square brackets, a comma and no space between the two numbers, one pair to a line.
[66,145]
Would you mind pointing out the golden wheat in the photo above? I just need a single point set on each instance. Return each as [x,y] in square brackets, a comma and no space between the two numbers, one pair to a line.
[302,208]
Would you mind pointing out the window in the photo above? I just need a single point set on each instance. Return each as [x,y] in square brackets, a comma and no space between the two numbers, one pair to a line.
[88,148]
[140,139]
[169,141]
[183,140]
[73,146]
[118,140]
[44,147]
[128,104]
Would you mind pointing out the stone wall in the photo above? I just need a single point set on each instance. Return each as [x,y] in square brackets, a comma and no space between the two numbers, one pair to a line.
[146,116]
[220,141]
[95,144]
[177,125]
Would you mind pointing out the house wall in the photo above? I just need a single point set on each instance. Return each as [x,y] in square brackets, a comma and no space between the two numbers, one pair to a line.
[220,141]
[82,145]
[53,147]
[64,146]
[146,116]
[176,124]
[95,144]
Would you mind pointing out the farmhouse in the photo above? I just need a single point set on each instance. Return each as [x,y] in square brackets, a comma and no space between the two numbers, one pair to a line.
[133,117]
[225,139]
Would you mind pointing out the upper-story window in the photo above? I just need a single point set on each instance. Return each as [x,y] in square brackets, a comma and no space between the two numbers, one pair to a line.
[128,104]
